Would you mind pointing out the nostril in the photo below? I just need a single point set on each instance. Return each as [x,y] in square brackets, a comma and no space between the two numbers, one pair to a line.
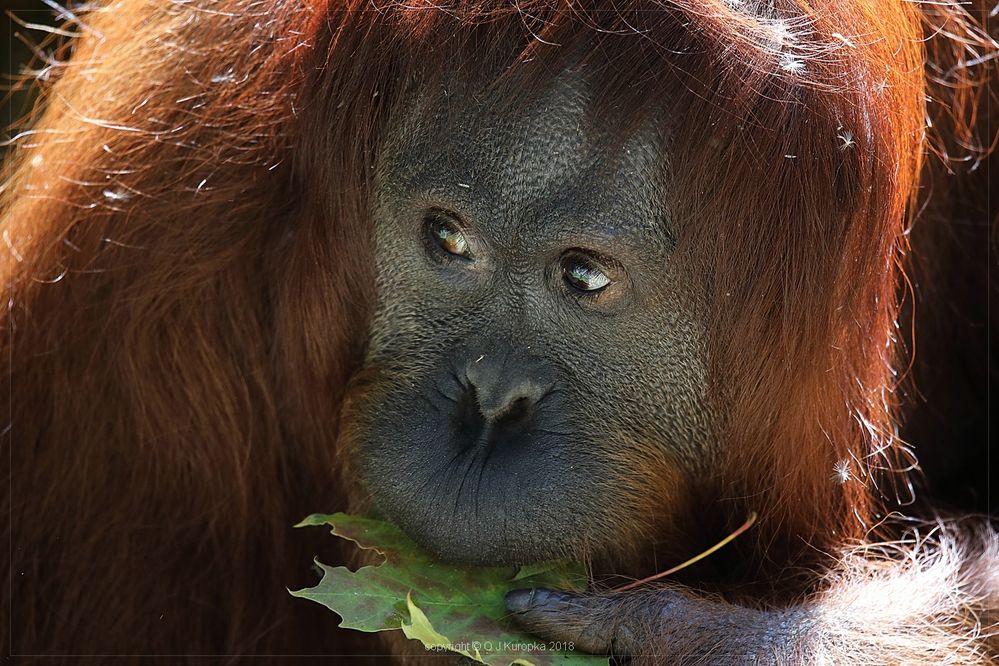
[480,413]
[516,413]
[505,392]
[508,403]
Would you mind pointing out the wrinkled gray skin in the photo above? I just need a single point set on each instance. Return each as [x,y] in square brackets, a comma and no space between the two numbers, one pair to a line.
[611,388]
[503,416]
[614,386]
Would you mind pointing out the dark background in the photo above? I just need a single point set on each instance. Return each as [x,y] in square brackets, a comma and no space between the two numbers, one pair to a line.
[16,56]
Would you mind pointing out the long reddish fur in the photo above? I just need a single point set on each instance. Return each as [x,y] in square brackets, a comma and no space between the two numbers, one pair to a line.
[188,277]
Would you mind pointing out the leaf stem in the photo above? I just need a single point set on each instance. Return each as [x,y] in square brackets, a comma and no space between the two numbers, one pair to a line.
[683,565]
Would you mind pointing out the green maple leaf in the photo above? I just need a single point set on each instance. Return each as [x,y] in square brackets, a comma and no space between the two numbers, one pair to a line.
[445,606]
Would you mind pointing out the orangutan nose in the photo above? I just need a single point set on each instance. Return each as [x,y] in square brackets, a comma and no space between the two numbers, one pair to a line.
[505,390]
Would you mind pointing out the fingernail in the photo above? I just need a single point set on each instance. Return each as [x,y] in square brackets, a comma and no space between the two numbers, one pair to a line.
[519,600]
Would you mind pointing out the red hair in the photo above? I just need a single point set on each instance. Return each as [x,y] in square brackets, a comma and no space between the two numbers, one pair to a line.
[189,273]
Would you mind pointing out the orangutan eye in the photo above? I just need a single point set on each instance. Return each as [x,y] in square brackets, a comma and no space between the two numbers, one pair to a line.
[582,274]
[445,234]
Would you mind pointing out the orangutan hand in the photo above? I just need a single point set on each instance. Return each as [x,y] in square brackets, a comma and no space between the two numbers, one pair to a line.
[661,625]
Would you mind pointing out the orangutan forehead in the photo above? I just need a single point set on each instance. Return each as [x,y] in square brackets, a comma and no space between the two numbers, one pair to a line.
[546,157]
